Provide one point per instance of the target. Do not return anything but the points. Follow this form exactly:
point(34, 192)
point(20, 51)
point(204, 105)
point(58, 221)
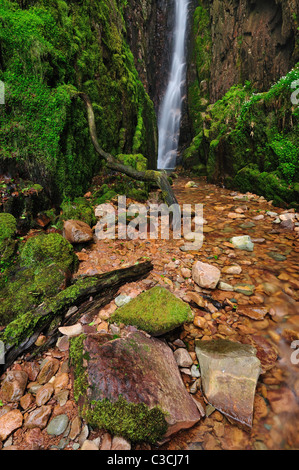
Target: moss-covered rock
point(48, 249)
point(49, 51)
point(130, 386)
point(155, 311)
point(249, 141)
point(40, 272)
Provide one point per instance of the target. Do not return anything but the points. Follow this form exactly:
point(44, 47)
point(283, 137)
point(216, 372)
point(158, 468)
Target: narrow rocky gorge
point(123, 328)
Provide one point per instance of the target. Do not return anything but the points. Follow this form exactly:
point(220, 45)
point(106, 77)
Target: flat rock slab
point(141, 369)
point(229, 373)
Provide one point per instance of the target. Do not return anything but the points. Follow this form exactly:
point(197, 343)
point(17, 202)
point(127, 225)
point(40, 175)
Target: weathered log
point(159, 178)
point(102, 288)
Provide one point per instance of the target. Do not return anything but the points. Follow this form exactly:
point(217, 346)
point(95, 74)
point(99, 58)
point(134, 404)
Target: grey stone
point(57, 425)
point(229, 374)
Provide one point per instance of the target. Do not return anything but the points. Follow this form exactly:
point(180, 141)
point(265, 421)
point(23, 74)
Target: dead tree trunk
point(150, 176)
point(102, 288)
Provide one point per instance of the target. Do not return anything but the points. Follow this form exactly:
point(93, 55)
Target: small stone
point(63, 343)
point(122, 299)
point(186, 273)
point(242, 243)
point(44, 394)
point(34, 439)
point(49, 368)
point(255, 312)
point(57, 425)
point(119, 443)
point(26, 401)
point(38, 418)
point(195, 371)
point(61, 381)
point(190, 184)
point(40, 340)
point(200, 322)
point(84, 434)
point(234, 269)
point(277, 256)
point(76, 231)
point(205, 275)
point(245, 289)
point(225, 286)
point(75, 428)
point(89, 445)
point(183, 358)
point(106, 442)
point(70, 331)
point(179, 343)
point(9, 422)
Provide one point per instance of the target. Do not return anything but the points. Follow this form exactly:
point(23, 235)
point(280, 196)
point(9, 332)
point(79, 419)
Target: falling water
point(170, 115)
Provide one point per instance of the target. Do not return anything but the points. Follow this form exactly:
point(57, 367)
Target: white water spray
point(171, 110)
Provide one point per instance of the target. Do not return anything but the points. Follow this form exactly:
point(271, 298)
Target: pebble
point(122, 299)
point(57, 425)
point(242, 243)
point(9, 422)
point(182, 357)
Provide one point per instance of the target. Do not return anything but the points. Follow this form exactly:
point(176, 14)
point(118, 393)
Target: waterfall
point(170, 116)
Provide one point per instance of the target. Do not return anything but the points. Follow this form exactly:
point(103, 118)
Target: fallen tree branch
point(102, 288)
point(150, 176)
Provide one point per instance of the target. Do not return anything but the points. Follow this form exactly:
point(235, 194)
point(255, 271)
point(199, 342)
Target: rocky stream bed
point(248, 297)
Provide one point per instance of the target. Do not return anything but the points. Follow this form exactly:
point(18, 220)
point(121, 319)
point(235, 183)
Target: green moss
point(137, 161)
point(155, 311)
point(8, 226)
point(135, 422)
point(76, 361)
point(50, 49)
point(48, 249)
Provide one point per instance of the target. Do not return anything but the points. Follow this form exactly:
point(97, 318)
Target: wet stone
point(229, 374)
point(57, 425)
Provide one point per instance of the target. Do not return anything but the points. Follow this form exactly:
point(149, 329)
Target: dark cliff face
point(251, 40)
point(241, 74)
point(149, 34)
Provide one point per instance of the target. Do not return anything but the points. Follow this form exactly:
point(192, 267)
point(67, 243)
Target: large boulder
point(229, 373)
point(130, 386)
point(155, 311)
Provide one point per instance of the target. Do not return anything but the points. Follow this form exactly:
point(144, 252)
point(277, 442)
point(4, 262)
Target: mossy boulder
point(155, 311)
point(49, 249)
point(130, 386)
point(79, 209)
